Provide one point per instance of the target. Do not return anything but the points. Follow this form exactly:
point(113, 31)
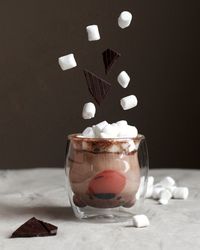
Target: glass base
point(108, 215)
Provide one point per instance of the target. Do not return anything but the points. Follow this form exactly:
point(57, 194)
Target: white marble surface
point(42, 193)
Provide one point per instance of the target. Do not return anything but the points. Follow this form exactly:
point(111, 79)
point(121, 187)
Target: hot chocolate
point(103, 172)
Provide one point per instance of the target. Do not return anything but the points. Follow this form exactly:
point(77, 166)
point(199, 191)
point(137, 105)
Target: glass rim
point(78, 137)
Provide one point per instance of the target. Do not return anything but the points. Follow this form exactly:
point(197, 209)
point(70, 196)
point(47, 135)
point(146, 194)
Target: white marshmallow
point(131, 146)
point(124, 19)
point(103, 135)
point(163, 201)
point(129, 102)
point(116, 127)
point(171, 189)
point(150, 181)
point(165, 196)
point(89, 110)
point(111, 130)
point(88, 132)
point(140, 221)
point(113, 149)
point(140, 189)
point(128, 146)
point(84, 145)
point(156, 192)
point(128, 132)
point(93, 32)
point(122, 123)
point(123, 79)
point(181, 193)
point(67, 62)
point(149, 191)
point(167, 182)
point(99, 127)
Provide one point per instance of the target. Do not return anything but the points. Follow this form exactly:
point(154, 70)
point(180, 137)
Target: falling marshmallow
point(123, 79)
point(129, 102)
point(181, 193)
point(124, 19)
point(93, 33)
point(140, 220)
point(89, 110)
point(165, 196)
point(67, 62)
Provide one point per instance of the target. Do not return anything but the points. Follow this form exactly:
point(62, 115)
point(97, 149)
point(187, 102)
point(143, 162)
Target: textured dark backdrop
point(40, 104)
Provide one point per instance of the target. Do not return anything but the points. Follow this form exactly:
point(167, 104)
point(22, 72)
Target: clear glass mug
point(104, 176)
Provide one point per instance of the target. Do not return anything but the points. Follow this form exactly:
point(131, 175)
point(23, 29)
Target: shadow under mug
point(104, 175)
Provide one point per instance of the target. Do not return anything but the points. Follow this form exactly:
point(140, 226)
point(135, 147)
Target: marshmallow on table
point(140, 220)
point(123, 79)
point(129, 102)
point(88, 132)
point(93, 32)
point(181, 193)
point(89, 110)
point(124, 19)
point(167, 182)
point(67, 62)
point(150, 181)
point(165, 196)
point(171, 189)
point(140, 189)
point(149, 191)
point(156, 192)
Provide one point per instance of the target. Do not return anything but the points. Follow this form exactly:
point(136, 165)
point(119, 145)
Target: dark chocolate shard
point(98, 87)
point(35, 228)
point(109, 58)
point(49, 227)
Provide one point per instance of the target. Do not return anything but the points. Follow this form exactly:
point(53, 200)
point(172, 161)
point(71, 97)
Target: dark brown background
point(40, 104)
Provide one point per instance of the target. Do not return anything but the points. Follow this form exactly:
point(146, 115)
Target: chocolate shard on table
point(109, 58)
point(97, 87)
point(35, 228)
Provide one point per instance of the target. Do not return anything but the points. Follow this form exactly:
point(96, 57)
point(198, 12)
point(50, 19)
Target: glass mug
point(104, 175)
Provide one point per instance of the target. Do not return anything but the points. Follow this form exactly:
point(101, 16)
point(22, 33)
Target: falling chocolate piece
point(109, 58)
point(98, 87)
point(35, 228)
